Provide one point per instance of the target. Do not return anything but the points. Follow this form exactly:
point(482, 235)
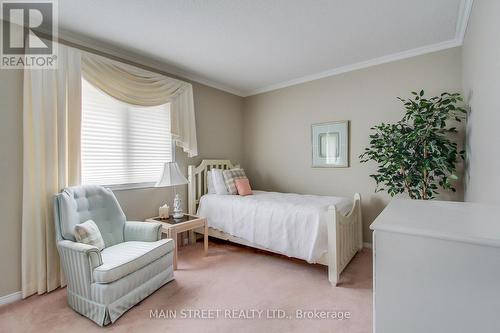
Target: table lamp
point(172, 176)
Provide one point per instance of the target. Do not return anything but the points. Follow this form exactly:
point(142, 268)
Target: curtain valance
point(138, 86)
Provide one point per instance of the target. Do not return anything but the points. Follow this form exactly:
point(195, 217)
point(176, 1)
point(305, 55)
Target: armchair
point(102, 285)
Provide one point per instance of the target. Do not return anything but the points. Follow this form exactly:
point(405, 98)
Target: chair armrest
point(142, 231)
point(84, 250)
point(78, 261)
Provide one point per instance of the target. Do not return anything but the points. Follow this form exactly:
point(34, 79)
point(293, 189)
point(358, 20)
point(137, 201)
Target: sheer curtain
point(51, 135)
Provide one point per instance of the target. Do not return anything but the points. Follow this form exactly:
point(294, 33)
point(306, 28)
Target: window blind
point(122, 143)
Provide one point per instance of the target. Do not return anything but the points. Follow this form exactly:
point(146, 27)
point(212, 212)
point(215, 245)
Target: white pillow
point(210, 183)
point(88, 233)
point(218, 182)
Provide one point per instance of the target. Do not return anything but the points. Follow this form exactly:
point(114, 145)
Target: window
point(122, 144)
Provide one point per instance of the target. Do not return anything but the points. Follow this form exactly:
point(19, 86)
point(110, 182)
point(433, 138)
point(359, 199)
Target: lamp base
point(178, 216)
point(177, 213)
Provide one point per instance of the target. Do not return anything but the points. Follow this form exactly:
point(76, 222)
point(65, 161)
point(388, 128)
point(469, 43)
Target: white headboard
point(197, 176)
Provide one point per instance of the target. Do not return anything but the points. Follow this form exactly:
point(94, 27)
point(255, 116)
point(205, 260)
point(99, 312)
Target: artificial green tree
point(417, 155)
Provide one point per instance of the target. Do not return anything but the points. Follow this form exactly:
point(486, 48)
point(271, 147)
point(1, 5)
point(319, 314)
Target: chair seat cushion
point(124, 258)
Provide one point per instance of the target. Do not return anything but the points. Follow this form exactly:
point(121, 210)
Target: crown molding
point(129, 55)
point(359, 65)
point(90, 44)
point(460, 30)
point(463, 19)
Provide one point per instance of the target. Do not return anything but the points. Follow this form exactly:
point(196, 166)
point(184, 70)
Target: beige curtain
point(137, 86)
point(51, 134)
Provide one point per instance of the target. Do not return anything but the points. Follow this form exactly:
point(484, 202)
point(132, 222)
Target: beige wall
point(219, 122)
point(481, 71)
point(277, 125)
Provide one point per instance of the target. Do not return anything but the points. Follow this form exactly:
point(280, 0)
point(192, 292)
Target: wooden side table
point(172, 227)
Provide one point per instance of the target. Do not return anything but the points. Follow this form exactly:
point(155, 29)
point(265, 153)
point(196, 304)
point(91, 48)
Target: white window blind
point(122, 144)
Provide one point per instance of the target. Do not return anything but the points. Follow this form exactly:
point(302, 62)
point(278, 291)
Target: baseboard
point(11, 298)
point(367, 245)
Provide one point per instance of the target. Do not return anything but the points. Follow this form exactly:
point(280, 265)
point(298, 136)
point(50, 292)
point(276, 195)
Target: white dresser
point(436, 268)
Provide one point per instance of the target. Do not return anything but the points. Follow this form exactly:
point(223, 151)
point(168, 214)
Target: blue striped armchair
point(103, 285)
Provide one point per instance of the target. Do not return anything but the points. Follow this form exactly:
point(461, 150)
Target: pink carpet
point(232, 279)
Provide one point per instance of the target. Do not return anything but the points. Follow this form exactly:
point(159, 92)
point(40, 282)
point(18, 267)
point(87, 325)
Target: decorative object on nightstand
point(172, 176)
point(164, 211)
point(173, 226)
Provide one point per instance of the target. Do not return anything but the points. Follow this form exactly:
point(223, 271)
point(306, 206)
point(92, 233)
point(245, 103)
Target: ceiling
point(252, 46)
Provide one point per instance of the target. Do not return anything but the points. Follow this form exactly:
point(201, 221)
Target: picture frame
point(330, 144)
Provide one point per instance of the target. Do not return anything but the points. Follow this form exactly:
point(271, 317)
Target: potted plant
point(416, 155)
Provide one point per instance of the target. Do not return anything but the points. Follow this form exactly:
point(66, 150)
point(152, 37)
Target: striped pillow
point(230, 176)
point(88, 233)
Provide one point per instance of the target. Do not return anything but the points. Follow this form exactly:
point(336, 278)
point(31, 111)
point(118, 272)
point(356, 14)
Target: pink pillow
point(243, 186)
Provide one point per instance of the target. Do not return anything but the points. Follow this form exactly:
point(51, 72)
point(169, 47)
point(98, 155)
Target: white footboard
point(345, 238)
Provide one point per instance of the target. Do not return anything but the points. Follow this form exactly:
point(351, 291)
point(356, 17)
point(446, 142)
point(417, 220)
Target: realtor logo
point(29, 29)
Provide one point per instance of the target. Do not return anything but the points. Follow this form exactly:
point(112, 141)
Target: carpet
point(233, 289)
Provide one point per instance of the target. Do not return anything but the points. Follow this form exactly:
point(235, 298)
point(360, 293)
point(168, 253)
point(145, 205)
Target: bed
point(318, 229)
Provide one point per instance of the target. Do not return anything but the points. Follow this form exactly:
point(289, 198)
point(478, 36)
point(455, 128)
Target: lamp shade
point(171, 175)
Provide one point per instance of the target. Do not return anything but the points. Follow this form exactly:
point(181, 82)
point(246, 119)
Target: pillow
point(210, 183)
point(218, 182)
point(88, 233)
point(243, 186)
point(230, 176)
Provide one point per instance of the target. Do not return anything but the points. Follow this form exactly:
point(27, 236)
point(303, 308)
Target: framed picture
point(330, 144)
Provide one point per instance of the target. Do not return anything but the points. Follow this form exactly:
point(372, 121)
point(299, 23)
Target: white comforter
point(288, 223)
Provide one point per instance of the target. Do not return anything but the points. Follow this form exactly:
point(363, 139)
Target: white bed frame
point(345, 232)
